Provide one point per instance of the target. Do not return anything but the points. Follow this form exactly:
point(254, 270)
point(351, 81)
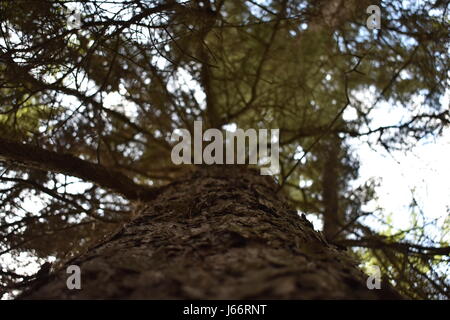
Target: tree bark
point(220, 233)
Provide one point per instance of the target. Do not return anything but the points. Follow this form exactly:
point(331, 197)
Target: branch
point(41, 159)
point(404, 247)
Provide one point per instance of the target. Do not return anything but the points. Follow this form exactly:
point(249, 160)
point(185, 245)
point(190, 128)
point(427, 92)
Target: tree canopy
point(91, 91)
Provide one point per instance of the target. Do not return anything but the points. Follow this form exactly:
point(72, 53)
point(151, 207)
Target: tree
point(87, 112)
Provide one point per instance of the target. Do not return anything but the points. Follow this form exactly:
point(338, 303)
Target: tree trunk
point(221, 233)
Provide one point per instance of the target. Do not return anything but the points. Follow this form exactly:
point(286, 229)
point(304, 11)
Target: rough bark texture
point(221, 233)
point(41, 159)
